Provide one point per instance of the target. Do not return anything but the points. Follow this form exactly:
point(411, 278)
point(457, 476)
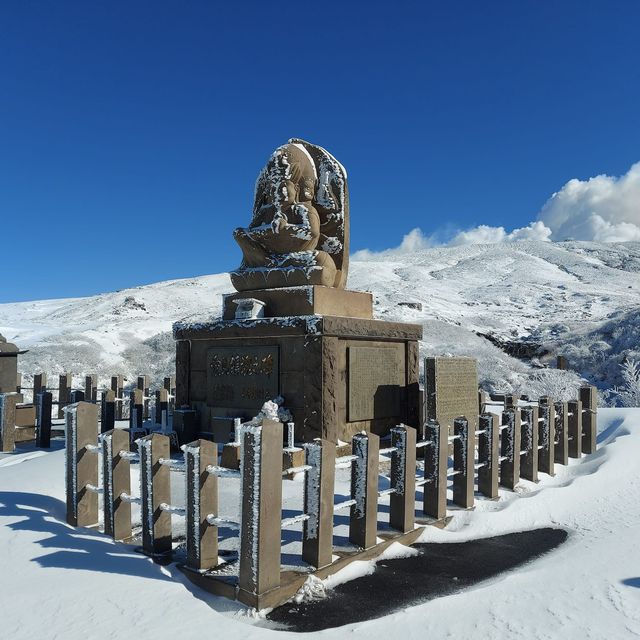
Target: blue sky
point(131, 133)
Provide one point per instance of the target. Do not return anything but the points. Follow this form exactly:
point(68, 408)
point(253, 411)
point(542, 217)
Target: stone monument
point(451, 390)
point(292, 332)
point(8, 366)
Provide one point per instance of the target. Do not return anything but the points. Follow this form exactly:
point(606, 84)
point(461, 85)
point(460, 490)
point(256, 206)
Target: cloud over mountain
point(600, 209)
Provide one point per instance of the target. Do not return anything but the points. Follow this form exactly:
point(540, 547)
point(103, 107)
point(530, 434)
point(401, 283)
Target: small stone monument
point(8, 366)
point(292, 329)
point(451, 390)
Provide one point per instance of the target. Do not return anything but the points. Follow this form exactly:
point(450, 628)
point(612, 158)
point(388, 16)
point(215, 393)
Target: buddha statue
point(299, 231)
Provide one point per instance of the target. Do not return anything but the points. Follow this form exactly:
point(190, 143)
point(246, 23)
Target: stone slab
point(303, 301)
point(451, 389)
point(376, 375)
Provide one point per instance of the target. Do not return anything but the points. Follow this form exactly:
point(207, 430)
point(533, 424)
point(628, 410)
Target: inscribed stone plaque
point(376, 375)
point(242, 377)
point(451, 389)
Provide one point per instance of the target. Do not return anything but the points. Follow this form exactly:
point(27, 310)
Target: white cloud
point(603, 209)
point(600, 209)
point(485, 234)
point(415, 240)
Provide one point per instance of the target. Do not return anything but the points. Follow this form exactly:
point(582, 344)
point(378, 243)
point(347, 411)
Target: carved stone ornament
point(299, 234)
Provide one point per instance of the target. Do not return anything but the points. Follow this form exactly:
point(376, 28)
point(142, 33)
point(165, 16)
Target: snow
point(578, 299)
point(76, 583)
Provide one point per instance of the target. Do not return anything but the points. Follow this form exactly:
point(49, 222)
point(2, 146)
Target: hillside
point(532, 300)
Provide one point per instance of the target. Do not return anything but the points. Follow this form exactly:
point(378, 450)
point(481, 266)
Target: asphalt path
point(438, 570)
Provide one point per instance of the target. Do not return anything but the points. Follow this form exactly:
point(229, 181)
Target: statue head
point(288, 177)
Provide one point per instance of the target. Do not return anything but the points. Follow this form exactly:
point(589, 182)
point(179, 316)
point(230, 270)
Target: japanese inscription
point(451, 386)
point(376, 376)
point(242, 377)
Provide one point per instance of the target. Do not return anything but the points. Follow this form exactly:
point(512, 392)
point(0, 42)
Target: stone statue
point(299, 234)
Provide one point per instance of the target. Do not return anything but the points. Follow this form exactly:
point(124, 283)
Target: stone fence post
point(117, 386)
point(435, 471)
point(510, 448)
point(403, 479)
point(116, 479)
point(91, 388)
point(39, 385)
point(8, 402)
point(317, 538)
point(561, 453)
point(65, 382)
point(463, 463)
point(155, 489)
point(574, 428)
point(81, 464)
point(135, 410)
point(261, 510)
point(202, 502)
point(546, 435)
point(488, 455)
point(589, 399)
point(43, 419)
point(363, 529)
point(108, 411)
point(529, 443)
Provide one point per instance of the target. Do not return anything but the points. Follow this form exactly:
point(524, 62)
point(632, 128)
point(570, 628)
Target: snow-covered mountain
point(514, 306)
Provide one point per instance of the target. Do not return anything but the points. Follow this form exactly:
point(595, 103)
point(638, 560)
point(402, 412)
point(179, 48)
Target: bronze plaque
point(376, 375)
point(451, 386)
point(242, 377)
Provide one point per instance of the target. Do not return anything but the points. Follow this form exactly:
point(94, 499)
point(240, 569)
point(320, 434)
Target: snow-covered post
point(574, 428)
point(202, 502)
point(561, 454)
point(317, 538)
point(483, 399)
point(91, 388)
point(39, 385)
point(261, 509)
point(8, 403)
point(107, 411)
point(143, 386)
point(510, 448)
point(511, 401)
point(162, 407)
point(464, 446)
point(116, 480)
point(529, 444)
point(117, 384)
point(135, 409)
point(402, 502)
point(546, 435)
point(488, 455)
point(435, 471)
point(81, 464)
point(43, 419)
point(363, 528)
point(155, 481)
point(65, 382)
point(589, 399)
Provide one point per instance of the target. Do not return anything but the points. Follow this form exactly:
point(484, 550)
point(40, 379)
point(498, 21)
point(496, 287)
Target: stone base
point(263, 278)
point(305, 301)
point(338, 375)
point(230, 458)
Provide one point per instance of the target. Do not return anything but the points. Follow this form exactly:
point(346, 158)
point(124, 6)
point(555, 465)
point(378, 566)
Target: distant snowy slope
point(530, 299)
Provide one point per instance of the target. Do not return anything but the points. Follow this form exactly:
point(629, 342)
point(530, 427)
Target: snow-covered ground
point(60, 582)
point(579, 299)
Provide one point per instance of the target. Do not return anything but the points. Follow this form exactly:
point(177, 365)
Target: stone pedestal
point(338, 375)
point(304, 301)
